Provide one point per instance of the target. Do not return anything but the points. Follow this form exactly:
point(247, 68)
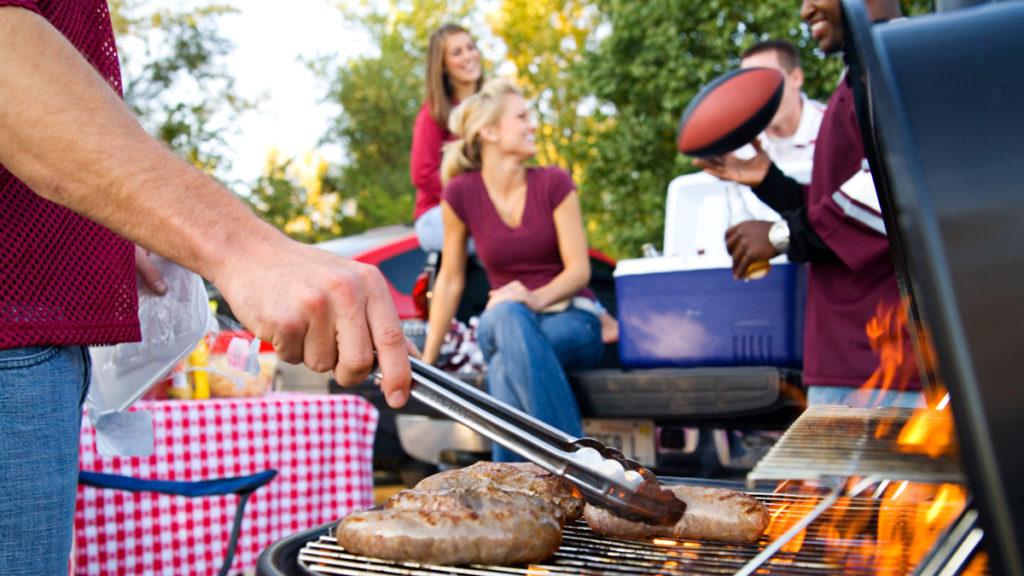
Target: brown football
point(730, 111)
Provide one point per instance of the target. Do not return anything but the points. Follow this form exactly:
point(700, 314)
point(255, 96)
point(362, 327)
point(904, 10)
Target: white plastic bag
point(171, 325)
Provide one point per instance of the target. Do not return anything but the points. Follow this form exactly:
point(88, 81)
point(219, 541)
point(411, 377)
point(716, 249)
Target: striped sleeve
point(858, 199)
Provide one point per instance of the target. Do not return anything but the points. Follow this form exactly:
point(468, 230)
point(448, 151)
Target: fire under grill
point(853, 536)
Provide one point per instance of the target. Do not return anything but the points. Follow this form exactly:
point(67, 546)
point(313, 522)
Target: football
point(730, 111)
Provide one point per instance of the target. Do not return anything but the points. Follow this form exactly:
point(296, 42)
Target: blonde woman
point(453, 74)
point(540, 318)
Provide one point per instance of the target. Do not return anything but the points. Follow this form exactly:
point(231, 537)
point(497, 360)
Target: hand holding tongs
point(597, 476)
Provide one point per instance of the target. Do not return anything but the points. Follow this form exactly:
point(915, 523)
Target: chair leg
point(236, 529)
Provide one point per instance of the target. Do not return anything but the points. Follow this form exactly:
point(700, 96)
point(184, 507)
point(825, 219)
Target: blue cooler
point(673, 316)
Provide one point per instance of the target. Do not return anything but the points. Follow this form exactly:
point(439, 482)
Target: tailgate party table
point(321, 446)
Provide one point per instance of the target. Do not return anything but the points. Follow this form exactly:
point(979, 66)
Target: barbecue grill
point(940, 102)
point(582, 552)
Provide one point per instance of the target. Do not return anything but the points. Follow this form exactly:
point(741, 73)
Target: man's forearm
point(779, 191)
point(69, 137)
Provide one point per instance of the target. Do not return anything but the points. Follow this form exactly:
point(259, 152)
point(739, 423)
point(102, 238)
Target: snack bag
point(240, 365)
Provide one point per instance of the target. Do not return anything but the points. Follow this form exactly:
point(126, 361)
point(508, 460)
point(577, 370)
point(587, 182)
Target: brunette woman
point(453, 74)
point(526, 222)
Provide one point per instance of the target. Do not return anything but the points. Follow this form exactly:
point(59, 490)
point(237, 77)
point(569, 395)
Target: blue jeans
point(864, 398)
point(41, 395)
point(526, 353)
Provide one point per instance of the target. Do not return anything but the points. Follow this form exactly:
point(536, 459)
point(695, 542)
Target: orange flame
point(930, 431)
point(885, 332)
point(888, 534)
point(782, 520)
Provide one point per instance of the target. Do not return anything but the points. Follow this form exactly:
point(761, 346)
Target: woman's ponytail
point(467, 120)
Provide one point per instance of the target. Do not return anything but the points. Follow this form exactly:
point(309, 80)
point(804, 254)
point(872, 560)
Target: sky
point(271, 39)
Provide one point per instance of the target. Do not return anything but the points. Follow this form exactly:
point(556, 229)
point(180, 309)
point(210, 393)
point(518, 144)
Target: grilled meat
point(711, 514)
point(455, 527)
point(417, 499)
point(511, 477)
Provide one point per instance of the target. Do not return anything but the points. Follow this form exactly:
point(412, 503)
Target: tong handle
point(538, 428)
point(549, 455)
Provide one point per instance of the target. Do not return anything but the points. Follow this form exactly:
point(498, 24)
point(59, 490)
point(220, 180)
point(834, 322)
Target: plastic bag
point(171, 326)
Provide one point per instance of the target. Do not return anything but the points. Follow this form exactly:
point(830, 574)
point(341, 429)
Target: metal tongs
point(550, 448)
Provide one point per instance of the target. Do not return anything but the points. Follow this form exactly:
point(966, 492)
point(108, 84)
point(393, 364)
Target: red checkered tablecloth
point(321, 446)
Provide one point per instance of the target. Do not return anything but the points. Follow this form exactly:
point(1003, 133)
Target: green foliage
point(175, 79)
point(293, 196)
point(545, 40)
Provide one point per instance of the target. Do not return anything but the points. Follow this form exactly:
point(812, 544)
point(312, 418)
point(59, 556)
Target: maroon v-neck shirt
point(528, 253)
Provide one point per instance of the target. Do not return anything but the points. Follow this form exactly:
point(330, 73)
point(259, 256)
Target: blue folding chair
point(243, 486)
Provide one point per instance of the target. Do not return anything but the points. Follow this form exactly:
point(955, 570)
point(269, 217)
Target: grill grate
point(822, 549)
point(845, 442)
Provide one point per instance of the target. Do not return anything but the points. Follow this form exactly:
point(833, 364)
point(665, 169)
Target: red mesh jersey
point(63, 279)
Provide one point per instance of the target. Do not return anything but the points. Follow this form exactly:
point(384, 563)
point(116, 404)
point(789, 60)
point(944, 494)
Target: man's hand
point(747, 242)
point(514, 291)
point(325, 311)
point(146, 270)
point(730, 167)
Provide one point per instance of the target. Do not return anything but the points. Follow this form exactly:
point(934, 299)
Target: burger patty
point(522, 477)
point(711, 514)
point(483, 526)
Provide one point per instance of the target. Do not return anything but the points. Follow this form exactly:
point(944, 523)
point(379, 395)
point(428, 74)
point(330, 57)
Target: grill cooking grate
point(822, 550)
point(845, 442)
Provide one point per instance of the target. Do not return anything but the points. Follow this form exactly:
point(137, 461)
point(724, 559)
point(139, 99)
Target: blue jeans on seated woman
point(527, 353)
point(41, 395)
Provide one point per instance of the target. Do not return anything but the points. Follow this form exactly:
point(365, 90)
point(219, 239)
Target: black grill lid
point(946, 101)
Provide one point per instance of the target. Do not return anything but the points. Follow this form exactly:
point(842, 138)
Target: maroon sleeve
point(26, 4)
point(856, 244)
point(559, 185)
point(425, 159)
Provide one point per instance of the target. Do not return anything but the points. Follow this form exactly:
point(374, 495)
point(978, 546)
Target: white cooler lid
point(660, 264)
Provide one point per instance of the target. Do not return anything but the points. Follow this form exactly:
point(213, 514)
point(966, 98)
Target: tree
point(545, 40)
point(174, 77)
point(292, 196)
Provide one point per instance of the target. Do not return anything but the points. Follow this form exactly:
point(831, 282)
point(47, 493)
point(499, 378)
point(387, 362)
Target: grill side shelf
point(838, 441)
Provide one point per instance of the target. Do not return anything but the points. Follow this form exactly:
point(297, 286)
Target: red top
point(428, 138)
point(63, 279)
point(843, 295)
point(528, 253)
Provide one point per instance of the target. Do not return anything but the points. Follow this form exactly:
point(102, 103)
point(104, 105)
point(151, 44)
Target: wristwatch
point(778, 236)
